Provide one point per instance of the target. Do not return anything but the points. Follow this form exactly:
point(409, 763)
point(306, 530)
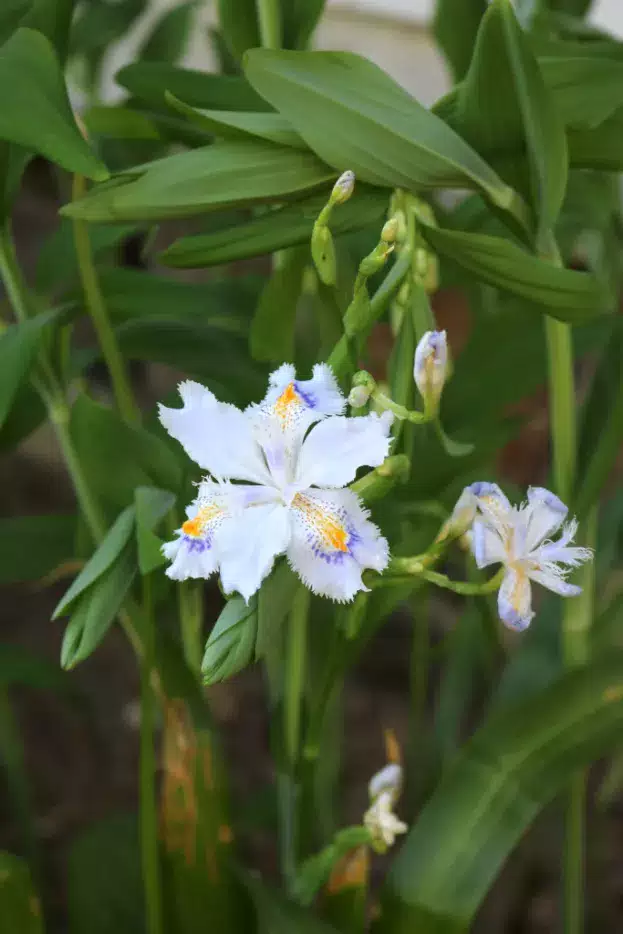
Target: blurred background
point(79, 747)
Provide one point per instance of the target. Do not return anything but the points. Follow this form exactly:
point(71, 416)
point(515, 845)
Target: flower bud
point(430, 367)
point(343, 188)
point(358, 396)
point(390, 230)
point(323, 253)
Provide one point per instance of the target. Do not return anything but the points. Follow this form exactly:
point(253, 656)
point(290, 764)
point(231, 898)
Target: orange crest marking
point(330, 529)
point(196, 527)
point(287, 401)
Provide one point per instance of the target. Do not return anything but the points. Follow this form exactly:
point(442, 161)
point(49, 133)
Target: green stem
point(148, 800)
point(59, 414)
point(190, 602)
point(562, 405)
point(12, 758)
point(294, 686)
point(564, 446)
point(295, 673)
point(578, 616)
point(419, 672)
point(96, 307)
point(12, 274)
point(269, 21)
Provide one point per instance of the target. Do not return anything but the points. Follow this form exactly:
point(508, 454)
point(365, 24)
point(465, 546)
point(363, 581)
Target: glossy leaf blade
point(503, 109)
point(456, 26)
point(21, 909)
point(206, 179)
point(504, 776)
point(18, 346)
point(33, 546)
point(235, 124)
point(106, 554)
point(37, 113)
point(336, 99)
point(149, 81)
point(563, 293)
point(283, 227)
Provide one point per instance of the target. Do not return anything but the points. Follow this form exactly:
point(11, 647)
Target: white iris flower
point(520, 539)
point(380, 820)
point(290, 456)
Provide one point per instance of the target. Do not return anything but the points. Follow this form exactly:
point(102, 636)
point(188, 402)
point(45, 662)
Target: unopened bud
point(323, 253)
point(390, 230)
point(358, 396)
point(430, 367)
point(420, 261)
point(343, 188)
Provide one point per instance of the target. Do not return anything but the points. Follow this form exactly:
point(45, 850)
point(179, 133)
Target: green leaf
point(11, 15)
point(600, 148)
point(300, 18)
point(21, 909)
point(206, 353)
point(237, 124)
point(287, 226)
point(276, 915)
point(19, 666)
point(602, 426)
point(37, 114)
point(18, 346)
point(104, 557)
point(456, 26)
point(33, 546)
point(586, 90)
point(134, 295)
point(151, 505)
point(206, 179)
point(150, 81)
point(27, 413)
point(13, 161)
point(336, 99)
point(120, 123)
point(56, 262)
point(272, 331)
point(231, 644)
point(141, 458)
point(52, 18)
point(239, 24)
point(506, 774)
point(169, 37)
point(503, 109)
point(315, 871)
point(94, 610)
point(563, 293)
point(109, 902)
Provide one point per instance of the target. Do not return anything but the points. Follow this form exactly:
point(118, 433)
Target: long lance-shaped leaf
point(506, 774)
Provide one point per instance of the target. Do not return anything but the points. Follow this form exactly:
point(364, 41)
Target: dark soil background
point(82, 762)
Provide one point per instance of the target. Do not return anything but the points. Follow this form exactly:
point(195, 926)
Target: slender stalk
point(562, 405)
point(94, 300)
point(564, 447)
point(58, 411)
point(148, 794)
point(295, 673)
point(578, 616)
point(12, 758)
point(190, 603)
point(269, 20)
point(419, 666)
point(12, 274)
point(294, 686)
